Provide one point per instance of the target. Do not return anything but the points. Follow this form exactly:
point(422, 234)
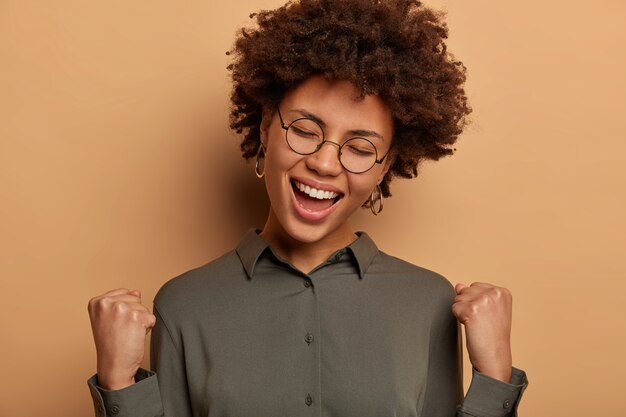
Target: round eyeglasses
point(305, 136)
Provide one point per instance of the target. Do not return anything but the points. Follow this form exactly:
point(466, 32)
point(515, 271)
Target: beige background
point(117, 169)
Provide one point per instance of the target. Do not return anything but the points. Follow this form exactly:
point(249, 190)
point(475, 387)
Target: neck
point(305, 255)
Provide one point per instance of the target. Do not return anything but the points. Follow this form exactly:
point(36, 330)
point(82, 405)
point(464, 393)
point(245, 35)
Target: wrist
point(498, 369)
point(114, 381)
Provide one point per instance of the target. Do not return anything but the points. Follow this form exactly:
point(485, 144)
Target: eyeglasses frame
point(324, 140)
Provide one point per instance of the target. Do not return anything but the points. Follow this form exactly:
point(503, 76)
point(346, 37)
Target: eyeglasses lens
point(305, 136)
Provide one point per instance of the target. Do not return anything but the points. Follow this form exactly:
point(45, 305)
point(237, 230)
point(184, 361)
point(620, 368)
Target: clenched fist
point(486, 312)
point(120, 324)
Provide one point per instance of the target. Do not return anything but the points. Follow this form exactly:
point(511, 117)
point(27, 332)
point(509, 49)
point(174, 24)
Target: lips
point(314, 202)
point(312, 192)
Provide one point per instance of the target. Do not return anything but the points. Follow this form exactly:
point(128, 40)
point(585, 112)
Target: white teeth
point(315, 193)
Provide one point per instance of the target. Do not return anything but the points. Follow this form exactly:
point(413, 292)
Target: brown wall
point(117, 170)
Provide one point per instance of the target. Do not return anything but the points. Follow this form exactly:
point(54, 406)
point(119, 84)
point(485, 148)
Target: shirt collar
point(364, 250)
point(250, 249)
point(252, 246)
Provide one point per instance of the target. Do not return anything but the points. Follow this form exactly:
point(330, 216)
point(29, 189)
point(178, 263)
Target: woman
point(307, 317)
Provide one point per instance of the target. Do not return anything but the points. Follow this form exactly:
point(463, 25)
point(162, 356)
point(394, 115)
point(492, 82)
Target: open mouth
point(314, 200)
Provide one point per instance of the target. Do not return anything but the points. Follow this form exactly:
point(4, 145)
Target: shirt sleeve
point(490, 397)
point(142, 399)
point(165, 395)
point(486, 396)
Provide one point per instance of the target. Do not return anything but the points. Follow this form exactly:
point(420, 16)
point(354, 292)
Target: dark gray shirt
point(364, 334)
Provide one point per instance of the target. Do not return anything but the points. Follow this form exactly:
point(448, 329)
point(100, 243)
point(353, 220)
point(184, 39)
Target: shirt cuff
point(142, 399)
point(489, 397)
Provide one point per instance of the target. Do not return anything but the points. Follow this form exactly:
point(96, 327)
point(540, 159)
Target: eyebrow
point(355, 132)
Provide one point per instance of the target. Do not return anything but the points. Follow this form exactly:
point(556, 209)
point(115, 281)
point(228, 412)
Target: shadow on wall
point(248, 197)
point(231, 198)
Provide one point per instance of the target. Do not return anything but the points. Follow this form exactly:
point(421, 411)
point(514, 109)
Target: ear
point(266, 121)
point(386, 165)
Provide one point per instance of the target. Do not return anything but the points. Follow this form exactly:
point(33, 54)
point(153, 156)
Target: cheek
point(361, 188)
point(278, 161)
point(277, 166)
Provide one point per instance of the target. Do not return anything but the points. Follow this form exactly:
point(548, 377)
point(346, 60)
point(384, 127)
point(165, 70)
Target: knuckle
point(474, 309)
point(500, 294)
point(481, 300)
point(490, 296)
point(91, 304)
point(97, 305)
point(104, 302)
point(138, 315)
point(119, 307)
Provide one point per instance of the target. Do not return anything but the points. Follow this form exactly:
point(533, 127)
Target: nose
point(326, 160)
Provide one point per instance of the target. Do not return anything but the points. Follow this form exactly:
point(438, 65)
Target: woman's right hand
point(120, 324)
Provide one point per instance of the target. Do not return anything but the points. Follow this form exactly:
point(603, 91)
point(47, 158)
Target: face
point(302, 217)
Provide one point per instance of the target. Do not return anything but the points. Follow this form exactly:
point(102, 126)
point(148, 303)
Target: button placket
point(309, 348)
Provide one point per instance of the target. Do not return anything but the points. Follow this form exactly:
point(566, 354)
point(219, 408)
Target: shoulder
point(192, 286)
point(431, 291)
point(414, 276)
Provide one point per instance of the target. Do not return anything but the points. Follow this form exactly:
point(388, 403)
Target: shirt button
point(308, 338)
point(506, 404)
point(307, 283)
point(115, 409)
point(308, 400)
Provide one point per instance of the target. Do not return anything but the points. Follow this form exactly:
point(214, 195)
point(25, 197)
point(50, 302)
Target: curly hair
point(391, 48)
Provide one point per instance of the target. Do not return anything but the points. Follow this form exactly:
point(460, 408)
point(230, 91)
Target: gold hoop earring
point(256, 165)
point(379, 196)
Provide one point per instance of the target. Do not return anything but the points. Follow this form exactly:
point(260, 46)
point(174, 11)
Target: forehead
point(339, 104)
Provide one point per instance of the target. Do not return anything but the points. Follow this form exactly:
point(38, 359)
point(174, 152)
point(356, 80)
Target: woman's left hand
point(486, 311)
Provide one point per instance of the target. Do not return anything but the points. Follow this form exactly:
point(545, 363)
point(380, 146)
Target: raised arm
point(487, 395)
point(486, 312)
point(120, 324)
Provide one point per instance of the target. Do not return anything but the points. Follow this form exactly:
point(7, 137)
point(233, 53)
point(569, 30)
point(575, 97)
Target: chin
point(307, 233)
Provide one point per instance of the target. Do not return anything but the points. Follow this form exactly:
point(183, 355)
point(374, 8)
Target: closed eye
point(303, 133)
point(359, 150)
